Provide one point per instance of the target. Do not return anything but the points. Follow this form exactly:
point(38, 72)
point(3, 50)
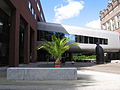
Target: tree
point(57, 47)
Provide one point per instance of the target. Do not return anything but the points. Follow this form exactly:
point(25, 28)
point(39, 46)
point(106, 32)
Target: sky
point(83, 13)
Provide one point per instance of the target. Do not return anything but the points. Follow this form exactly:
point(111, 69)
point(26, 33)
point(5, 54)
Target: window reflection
point(32, 9)
point(1, 27)
point(45, 35)
point(71, 37)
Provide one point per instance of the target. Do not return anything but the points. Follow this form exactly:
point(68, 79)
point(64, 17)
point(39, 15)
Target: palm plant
point(57, 47)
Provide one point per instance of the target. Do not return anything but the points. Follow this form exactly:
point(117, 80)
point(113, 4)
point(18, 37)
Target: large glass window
point(4, 38)
point(42, 17)
point(21, 39)
point(113, 24)
point(91, 40)
point(38, 6)
point(32, 9)
point(45, 35)
point(71, 37)
point(30, 5)
point(81, 39)
point(35, 15)
point(118, 18)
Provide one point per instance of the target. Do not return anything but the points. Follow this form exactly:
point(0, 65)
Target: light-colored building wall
point(110, 17)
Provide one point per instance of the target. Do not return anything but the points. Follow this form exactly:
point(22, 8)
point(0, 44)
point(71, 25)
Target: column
point(34, 55)
point(27, 45)
point(33, 36)
point(14, 39)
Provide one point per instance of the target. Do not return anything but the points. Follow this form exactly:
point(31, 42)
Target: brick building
point(110, 20)
point(18, 31)
point(110, 16)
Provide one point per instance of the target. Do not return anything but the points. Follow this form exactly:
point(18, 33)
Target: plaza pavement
point(109, 68)
point(91, 77)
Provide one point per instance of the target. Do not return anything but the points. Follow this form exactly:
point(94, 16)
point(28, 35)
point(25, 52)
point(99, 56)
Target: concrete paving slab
point(87, 80)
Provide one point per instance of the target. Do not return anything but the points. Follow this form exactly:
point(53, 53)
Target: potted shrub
point(56, 47)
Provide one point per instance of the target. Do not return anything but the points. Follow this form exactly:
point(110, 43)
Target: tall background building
point(110, 16)
point(18, 31)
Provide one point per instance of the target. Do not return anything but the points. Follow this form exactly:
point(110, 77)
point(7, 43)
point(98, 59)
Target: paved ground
point(89, 78)
point(109, 68)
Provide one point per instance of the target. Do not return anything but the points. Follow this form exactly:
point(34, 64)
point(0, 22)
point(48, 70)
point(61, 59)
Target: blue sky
point(84, 13)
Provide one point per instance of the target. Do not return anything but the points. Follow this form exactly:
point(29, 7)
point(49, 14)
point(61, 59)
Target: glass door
point(4, 39)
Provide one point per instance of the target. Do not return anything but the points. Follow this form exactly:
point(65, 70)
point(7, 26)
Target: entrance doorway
point(4, 38)
point(21, 40)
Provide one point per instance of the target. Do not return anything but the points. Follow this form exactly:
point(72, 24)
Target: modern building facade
point(18, 31)
point(110, 16)
point(86, 37)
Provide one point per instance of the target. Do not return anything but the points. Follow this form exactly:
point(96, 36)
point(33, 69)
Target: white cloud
point(94, 24)
point(70, 10)
point(109, 1)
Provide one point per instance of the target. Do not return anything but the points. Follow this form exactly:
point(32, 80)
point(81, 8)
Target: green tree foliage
point(57, 47)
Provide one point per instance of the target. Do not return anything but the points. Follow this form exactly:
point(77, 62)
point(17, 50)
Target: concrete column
point(27, 45)
point(14, 39)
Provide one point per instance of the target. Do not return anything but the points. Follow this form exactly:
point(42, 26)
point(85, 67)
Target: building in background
point(110, 20)
point(18, 31)
point(110, 16)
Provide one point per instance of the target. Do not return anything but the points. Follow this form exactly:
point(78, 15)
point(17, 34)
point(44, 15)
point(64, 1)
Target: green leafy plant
point(57, 47)
point(83, 57)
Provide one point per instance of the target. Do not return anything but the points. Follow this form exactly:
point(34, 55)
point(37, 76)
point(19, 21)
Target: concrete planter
point(41, 73)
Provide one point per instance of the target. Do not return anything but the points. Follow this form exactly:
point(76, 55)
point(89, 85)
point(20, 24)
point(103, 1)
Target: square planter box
point(42, 74)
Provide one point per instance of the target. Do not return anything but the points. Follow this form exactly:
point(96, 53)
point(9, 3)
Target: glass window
point(42, 16)
point(40, 35)
point(76, 38)
point(45, 35)
point(59, 35)
point(95, 40)
point(109, 26)
point(104, 26)
point(4, 38)
point(35, 15)
point(30, 5)
point(71, 37)
point(113, 24)
point(91, 40)
point(118, 17)
point(81, 39)
point(86, 39)
point(105, 41)
point(1, 27)
point(21, 39)
point(100, 41)
point(38, 6)
point(33, 11)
